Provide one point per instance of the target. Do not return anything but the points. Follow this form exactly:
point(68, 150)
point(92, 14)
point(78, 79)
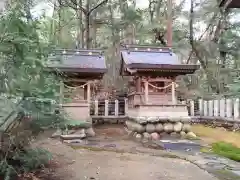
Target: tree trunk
point(87, 25)
point(52, 34)
point(59, 26)
point(94, 31)
point(88, 40)
point(213, 83)
point(151, 10)
point(80, 36)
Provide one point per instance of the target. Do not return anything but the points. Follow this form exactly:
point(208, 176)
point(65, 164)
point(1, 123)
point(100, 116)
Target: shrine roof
point(141, 58)
point(78, 61)
point(230, 4)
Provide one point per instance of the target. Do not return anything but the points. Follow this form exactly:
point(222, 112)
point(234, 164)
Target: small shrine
point(226, 4)
point(80, 70)
point(151, 98)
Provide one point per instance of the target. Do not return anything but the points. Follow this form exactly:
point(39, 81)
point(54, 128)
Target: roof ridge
point(90, 52)
point(127, 46)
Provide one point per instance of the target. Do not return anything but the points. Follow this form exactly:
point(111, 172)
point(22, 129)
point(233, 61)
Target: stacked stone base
point(154, 127)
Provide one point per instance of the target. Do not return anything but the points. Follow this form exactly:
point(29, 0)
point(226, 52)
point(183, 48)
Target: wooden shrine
point(152, 72)
point(230, 4)
point(79, 69)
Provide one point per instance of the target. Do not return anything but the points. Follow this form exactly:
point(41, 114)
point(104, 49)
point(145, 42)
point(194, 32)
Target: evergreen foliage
point(23, 75)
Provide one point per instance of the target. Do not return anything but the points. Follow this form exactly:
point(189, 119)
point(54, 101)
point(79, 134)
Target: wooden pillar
point(126, 106)
point(138, 84)
point(192, 109)
point(200, 104)
point(210, 108)
point(173, 93)
point(222, 108)
point(216, 108)
point(146, 91)
point(205, 108)
point(236, 108)
point(88, 92)
point(229, 106)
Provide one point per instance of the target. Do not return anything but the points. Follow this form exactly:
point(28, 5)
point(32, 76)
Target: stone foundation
point(154, 127)
point(161, 111)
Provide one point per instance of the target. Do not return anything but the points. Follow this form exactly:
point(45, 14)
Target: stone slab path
point(210, 162)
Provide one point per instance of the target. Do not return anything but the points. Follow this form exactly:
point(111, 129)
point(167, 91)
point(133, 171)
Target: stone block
point(168, 127)
point(72, 136)
point(155, 136)
point(146, 136)
point(150, 128)
point(191, 135)
point(186, 127)
point(163, 119)
point(177, 127)
point(153, 119)
point(159, 127)
point(90, 132)
point(186, 119)
point(138, 137)
point(183, 134)
point(174, 119)
point(140, 128)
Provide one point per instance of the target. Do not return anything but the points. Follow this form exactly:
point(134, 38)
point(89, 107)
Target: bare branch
point(202, 35)
point(98, 5)
point(73, 4)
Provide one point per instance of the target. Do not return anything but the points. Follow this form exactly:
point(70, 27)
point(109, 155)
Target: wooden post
point(138, 88)
point(106, 108)
point(88, 92)
point(200, 103)
point(216, 108)
point(222, 108)
point(126, 106)
point(229, 108)
point(173, 93)
point(236, 108)
point(146, 91)
point(192, 108)
point(205, 108)
point(210, 108)
point(116, 107)
point(96, 107)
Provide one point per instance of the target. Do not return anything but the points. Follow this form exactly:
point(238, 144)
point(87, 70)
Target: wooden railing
point(108, 108)
point(227, 109)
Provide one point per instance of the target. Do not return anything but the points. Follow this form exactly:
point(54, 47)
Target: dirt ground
point(84, 164)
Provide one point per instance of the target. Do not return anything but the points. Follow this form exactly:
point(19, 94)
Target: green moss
point(206, 150)
point(227, 150)
point(225, 175)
